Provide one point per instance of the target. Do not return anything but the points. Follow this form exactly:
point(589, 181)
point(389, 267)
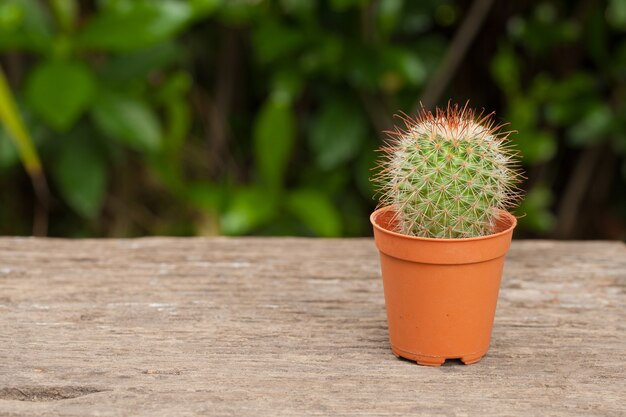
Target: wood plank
point(266, 327)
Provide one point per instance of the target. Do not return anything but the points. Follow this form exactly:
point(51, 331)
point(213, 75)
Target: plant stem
point(13, 123)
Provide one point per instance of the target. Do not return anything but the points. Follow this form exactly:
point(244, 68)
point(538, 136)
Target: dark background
point(260, 117)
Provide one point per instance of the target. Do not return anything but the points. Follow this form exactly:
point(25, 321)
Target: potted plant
point(442, 229)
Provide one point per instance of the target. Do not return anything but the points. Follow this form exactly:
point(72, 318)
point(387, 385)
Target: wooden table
point(273, 327)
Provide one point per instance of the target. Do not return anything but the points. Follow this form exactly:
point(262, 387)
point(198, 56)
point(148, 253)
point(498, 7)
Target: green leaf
point(342, 5)
point(203, 8)
point(410, 66)
point(137, 65)
point(273, 41)
point(167, 163)
point(593, 127)
point(60, 91)
point(337, 133)
point(286, 86)
point(141, 24)
point(362, 66)
point(389, 12)
point(571, 98)
point(541, 89)
point(446, 14)
point(505, 69)
point(316, 211)
point(274, 135)
point(11, 16)
point(174, 87)
point(534, 213)
point(328, 182)
point(542, 32)
point(535, 146)
point(401, 67)
point(301, 8)
point(80, 174)
point(326, 55)
point(523, 114)
point(129, 120)
point(249, 208)
point(24, 25)
point(8, 152)
point(616, 14)
point(65, 12)
point(204, 196)
point(239, 13)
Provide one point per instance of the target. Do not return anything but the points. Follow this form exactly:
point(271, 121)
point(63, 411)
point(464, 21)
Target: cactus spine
point(448, 174)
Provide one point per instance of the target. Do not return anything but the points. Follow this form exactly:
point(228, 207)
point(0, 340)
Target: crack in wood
point(40, 394)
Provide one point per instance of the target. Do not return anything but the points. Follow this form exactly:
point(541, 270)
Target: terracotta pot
point(440, 294)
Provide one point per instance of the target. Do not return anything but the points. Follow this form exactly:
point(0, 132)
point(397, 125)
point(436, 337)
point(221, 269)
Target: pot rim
point(379, 211)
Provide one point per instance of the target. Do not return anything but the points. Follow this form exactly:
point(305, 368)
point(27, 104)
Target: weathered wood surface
point(272, 327)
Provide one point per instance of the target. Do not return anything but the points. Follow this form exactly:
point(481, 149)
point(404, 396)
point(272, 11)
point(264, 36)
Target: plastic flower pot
point(440, 294)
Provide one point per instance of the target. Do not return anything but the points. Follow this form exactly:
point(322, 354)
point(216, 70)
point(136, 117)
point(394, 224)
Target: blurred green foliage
point(261, 117)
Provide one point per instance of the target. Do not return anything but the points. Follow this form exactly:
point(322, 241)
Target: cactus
point(449, 174)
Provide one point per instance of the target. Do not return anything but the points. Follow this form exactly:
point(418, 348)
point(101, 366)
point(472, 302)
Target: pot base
point(435, 360)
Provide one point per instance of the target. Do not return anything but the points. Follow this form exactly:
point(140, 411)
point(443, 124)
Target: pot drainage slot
point(453, 362)
point(39, 394)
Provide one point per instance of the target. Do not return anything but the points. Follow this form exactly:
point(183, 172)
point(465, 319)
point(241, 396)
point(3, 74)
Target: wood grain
point(268, 327)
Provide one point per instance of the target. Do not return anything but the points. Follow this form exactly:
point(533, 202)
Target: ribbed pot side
point(440, 294)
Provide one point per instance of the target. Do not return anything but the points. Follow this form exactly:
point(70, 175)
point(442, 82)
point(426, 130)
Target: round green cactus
point(448, 174)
